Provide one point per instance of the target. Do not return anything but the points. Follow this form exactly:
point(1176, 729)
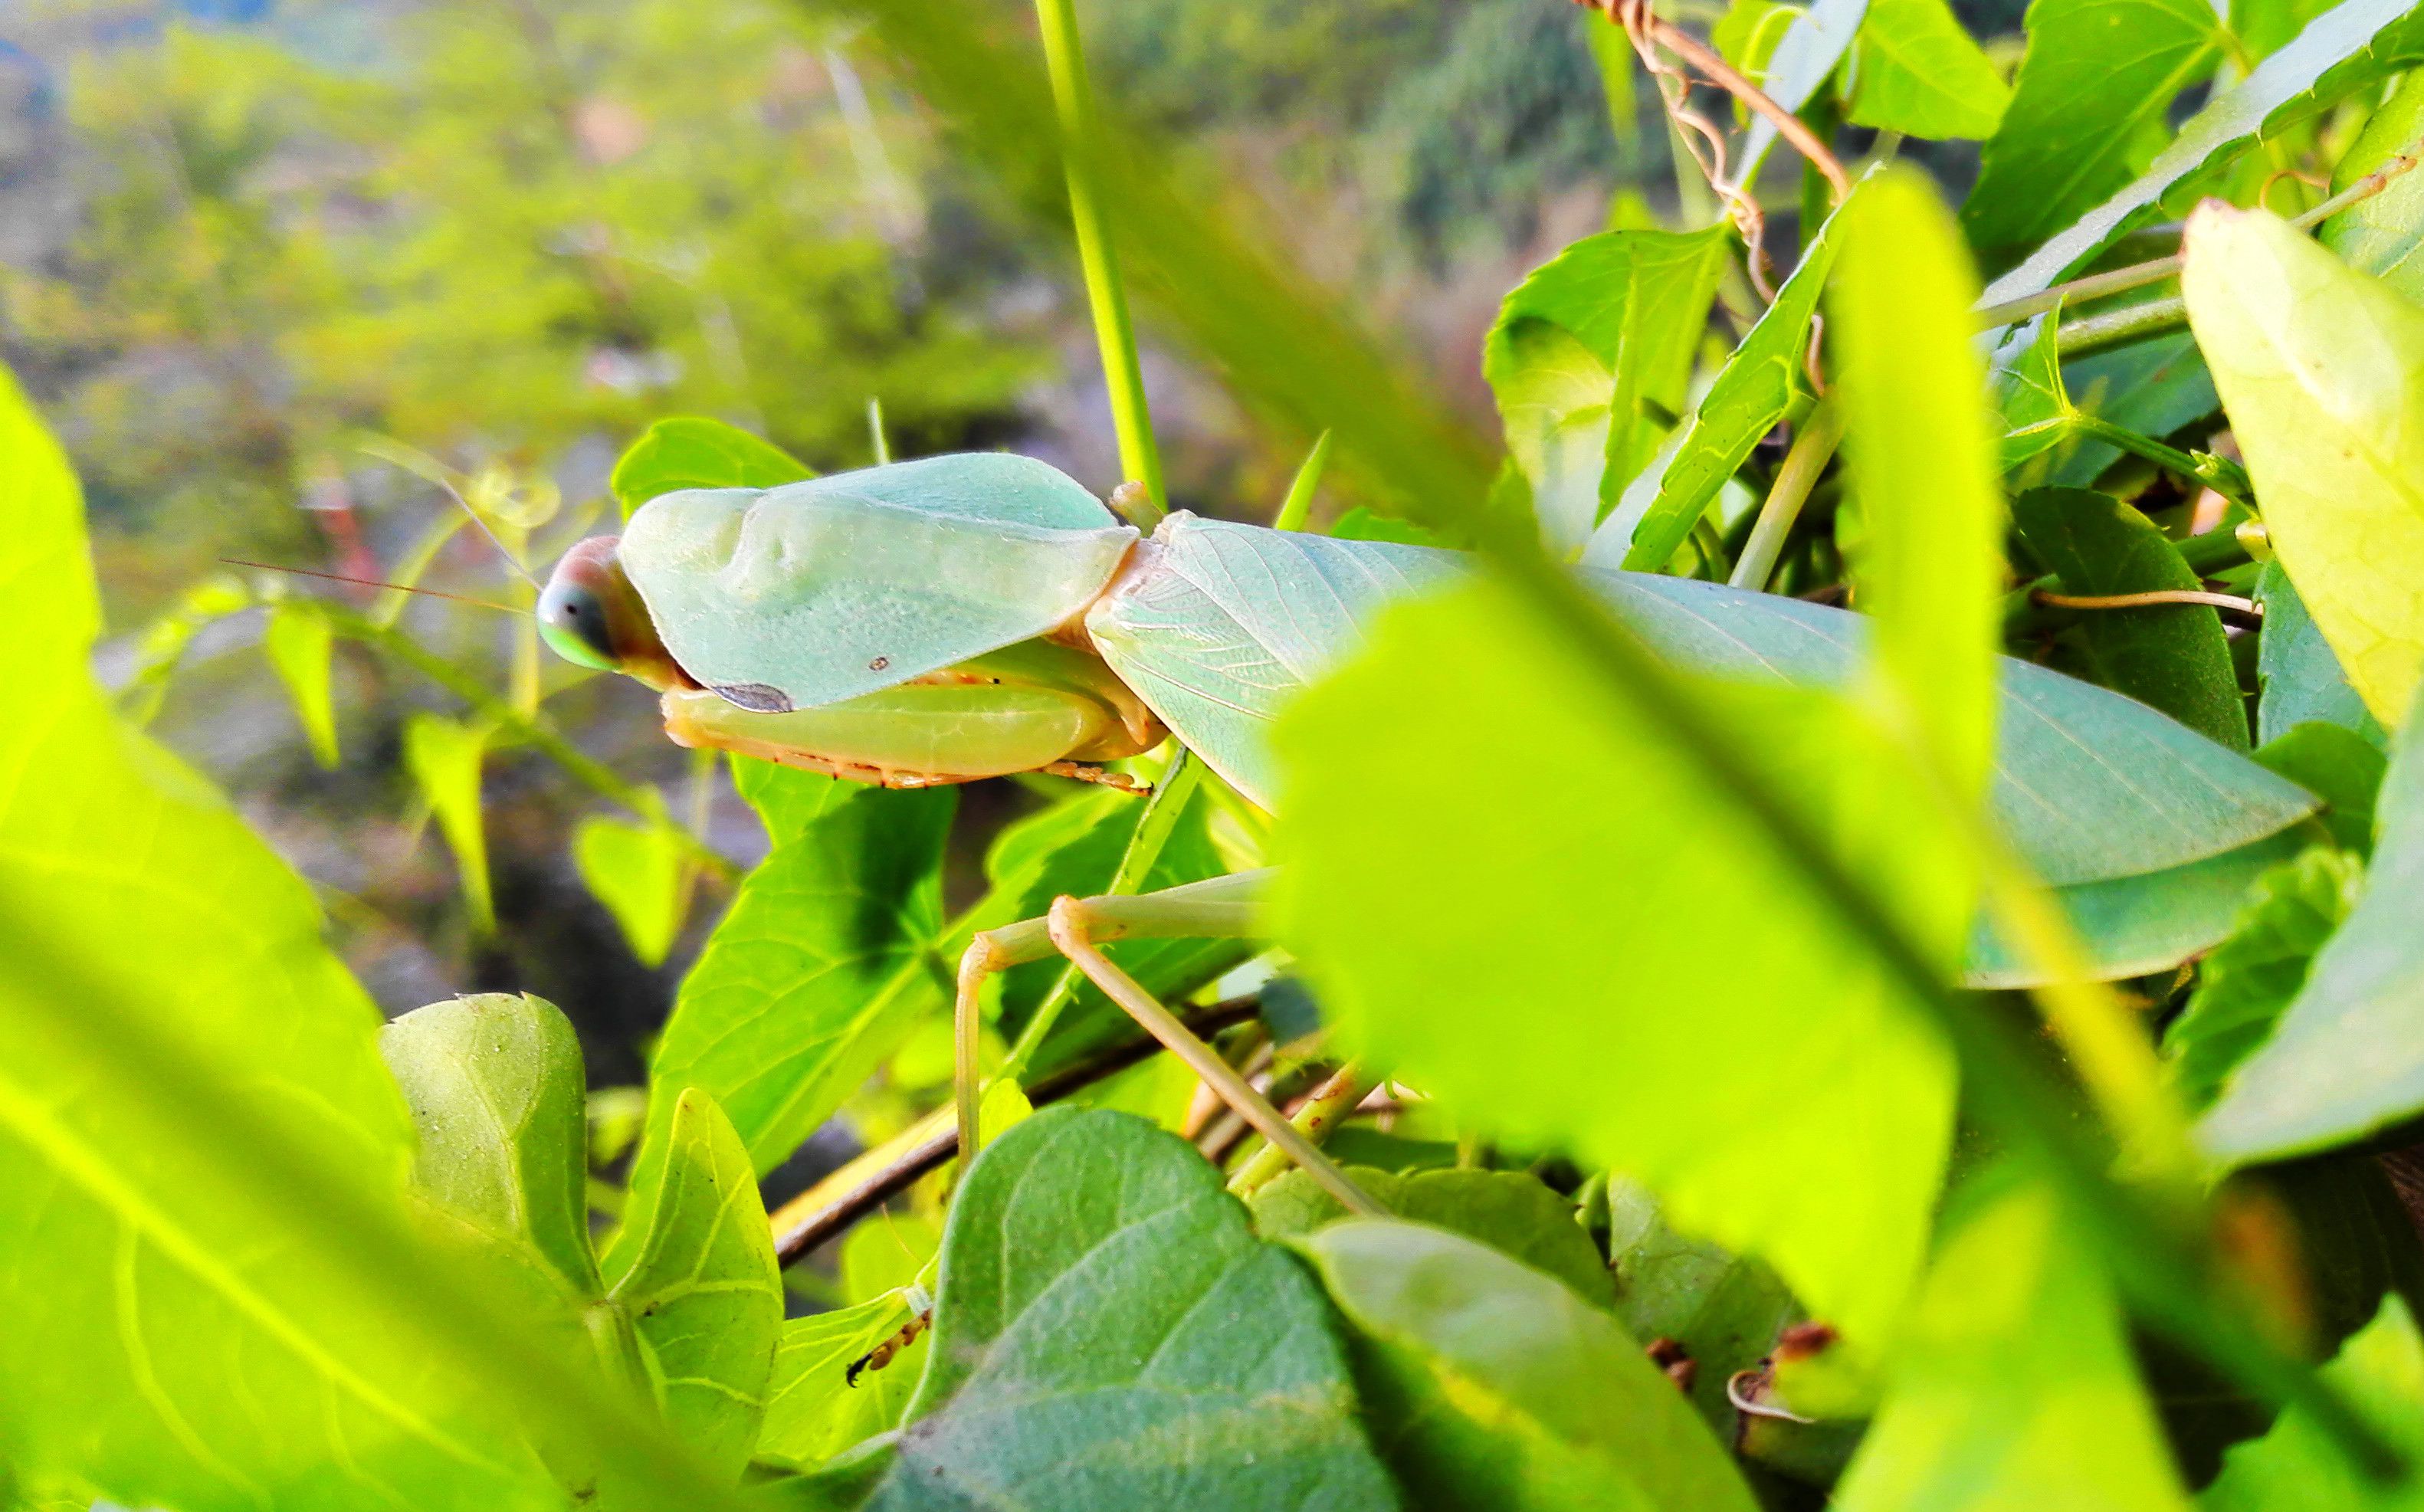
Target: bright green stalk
point(1073, 98)
point(1297, 508)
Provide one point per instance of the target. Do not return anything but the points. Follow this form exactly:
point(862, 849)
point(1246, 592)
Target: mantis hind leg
point(1077, 929)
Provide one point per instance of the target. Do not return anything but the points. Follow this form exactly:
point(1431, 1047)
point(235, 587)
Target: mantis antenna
point(374, 582)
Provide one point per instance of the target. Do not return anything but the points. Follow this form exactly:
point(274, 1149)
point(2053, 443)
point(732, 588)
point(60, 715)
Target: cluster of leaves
point(1685, 993)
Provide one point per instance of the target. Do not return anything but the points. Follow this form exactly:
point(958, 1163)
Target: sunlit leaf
point(2344, 1060)
point(813, 1409)
point(1110, 1333)
point(1582, 348)
point(2251, 977)
point(691, 452)
point(297, 641)
point(1922, 469)
point(2380, 1371)
point(819, 970)
point(2087, 110)
point(2356, 45)
point(444, 756)
point(1916, 71)
point(1608, 862)
point(636, 871)
point(2014, 1386)
point(789, 799)
point(173, 1339)
point(1490, 1385)
point(2322, 370)
point(1511, 1211)
point(2172, 656)
point(1761, 384)
point(697, 1280)
point(495, 1084)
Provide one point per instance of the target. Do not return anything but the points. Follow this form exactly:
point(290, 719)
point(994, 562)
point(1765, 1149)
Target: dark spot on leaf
point(879, 663)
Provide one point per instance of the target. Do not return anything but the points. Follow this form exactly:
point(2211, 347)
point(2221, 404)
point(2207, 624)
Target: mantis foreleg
point(1076, 928)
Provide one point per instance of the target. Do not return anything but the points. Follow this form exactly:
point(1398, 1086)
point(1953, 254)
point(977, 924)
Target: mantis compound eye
point(572, 621)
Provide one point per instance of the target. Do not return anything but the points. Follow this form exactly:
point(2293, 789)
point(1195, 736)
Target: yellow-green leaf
point(2322, 370)
point(636, 871)
point(298, 642)
point(444, 757)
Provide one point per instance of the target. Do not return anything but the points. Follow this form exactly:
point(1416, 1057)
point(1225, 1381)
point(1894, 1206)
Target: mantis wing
point(1228, 620)
point(821, 591)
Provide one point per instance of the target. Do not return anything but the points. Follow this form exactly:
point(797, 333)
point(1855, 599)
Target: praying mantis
point(980, 614)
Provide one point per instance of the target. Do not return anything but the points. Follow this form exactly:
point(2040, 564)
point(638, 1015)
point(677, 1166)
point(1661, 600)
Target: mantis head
point(591, 615)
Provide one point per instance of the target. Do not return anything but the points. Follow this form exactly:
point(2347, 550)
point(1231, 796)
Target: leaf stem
point(1322, 1113)
point(1073, 97)
point(1821, 430)
point(2232, 602)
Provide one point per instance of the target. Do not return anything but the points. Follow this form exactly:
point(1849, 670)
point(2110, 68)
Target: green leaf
point(2350, 47)
point(1511, 1211)
point(1915, 71)
point(2298, 671)
point(2014, 1386)
point(1722, 1310)
point(1492, 1386)
point(443, 757)
point(2322, 370)
point(2345, 1061)
point(2339, 766)
point(691, 452)
point(2384, 234)
point(2087, 110)
point(636, 871)
point(2029, 391)
point(1923, 473)
point(1761, 385)
point(1609, 863)
point(173, 1336)
point(1111, 1334)
point(698, 1281)
point(297, 642)
point(789, 799)
point(2153, 387)
point(813, 1411)
point(2173, 657)
point(496, 1094)
point(2251, 977)
point(822, 967)
point(1582, 348)
point(2380, 1371)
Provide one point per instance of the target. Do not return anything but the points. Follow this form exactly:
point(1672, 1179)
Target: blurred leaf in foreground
point(2381, 1372)
point(2346, 1060)
point(2014, 1386)
point(2322, 370)
point(163, 1343)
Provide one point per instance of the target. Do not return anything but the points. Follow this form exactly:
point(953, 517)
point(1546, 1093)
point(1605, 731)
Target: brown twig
point(2155, 597)
point(828, 1221)
point(1723, 74)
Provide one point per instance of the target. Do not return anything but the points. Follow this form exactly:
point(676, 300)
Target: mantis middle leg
point(1075, 928)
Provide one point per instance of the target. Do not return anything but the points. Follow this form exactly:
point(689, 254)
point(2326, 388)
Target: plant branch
point(2232, 602)
point(819, 1215)
point(1073, 97)
point(1821, 430)
point(1319, 1116)
point(2138, 274)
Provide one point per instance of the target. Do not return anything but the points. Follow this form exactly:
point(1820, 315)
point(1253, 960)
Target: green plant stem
point(1321, 1114)
point(2119, 327)
point(1073, 97)
point(1821, 430)
point(531, 729)
point(2207, 471)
